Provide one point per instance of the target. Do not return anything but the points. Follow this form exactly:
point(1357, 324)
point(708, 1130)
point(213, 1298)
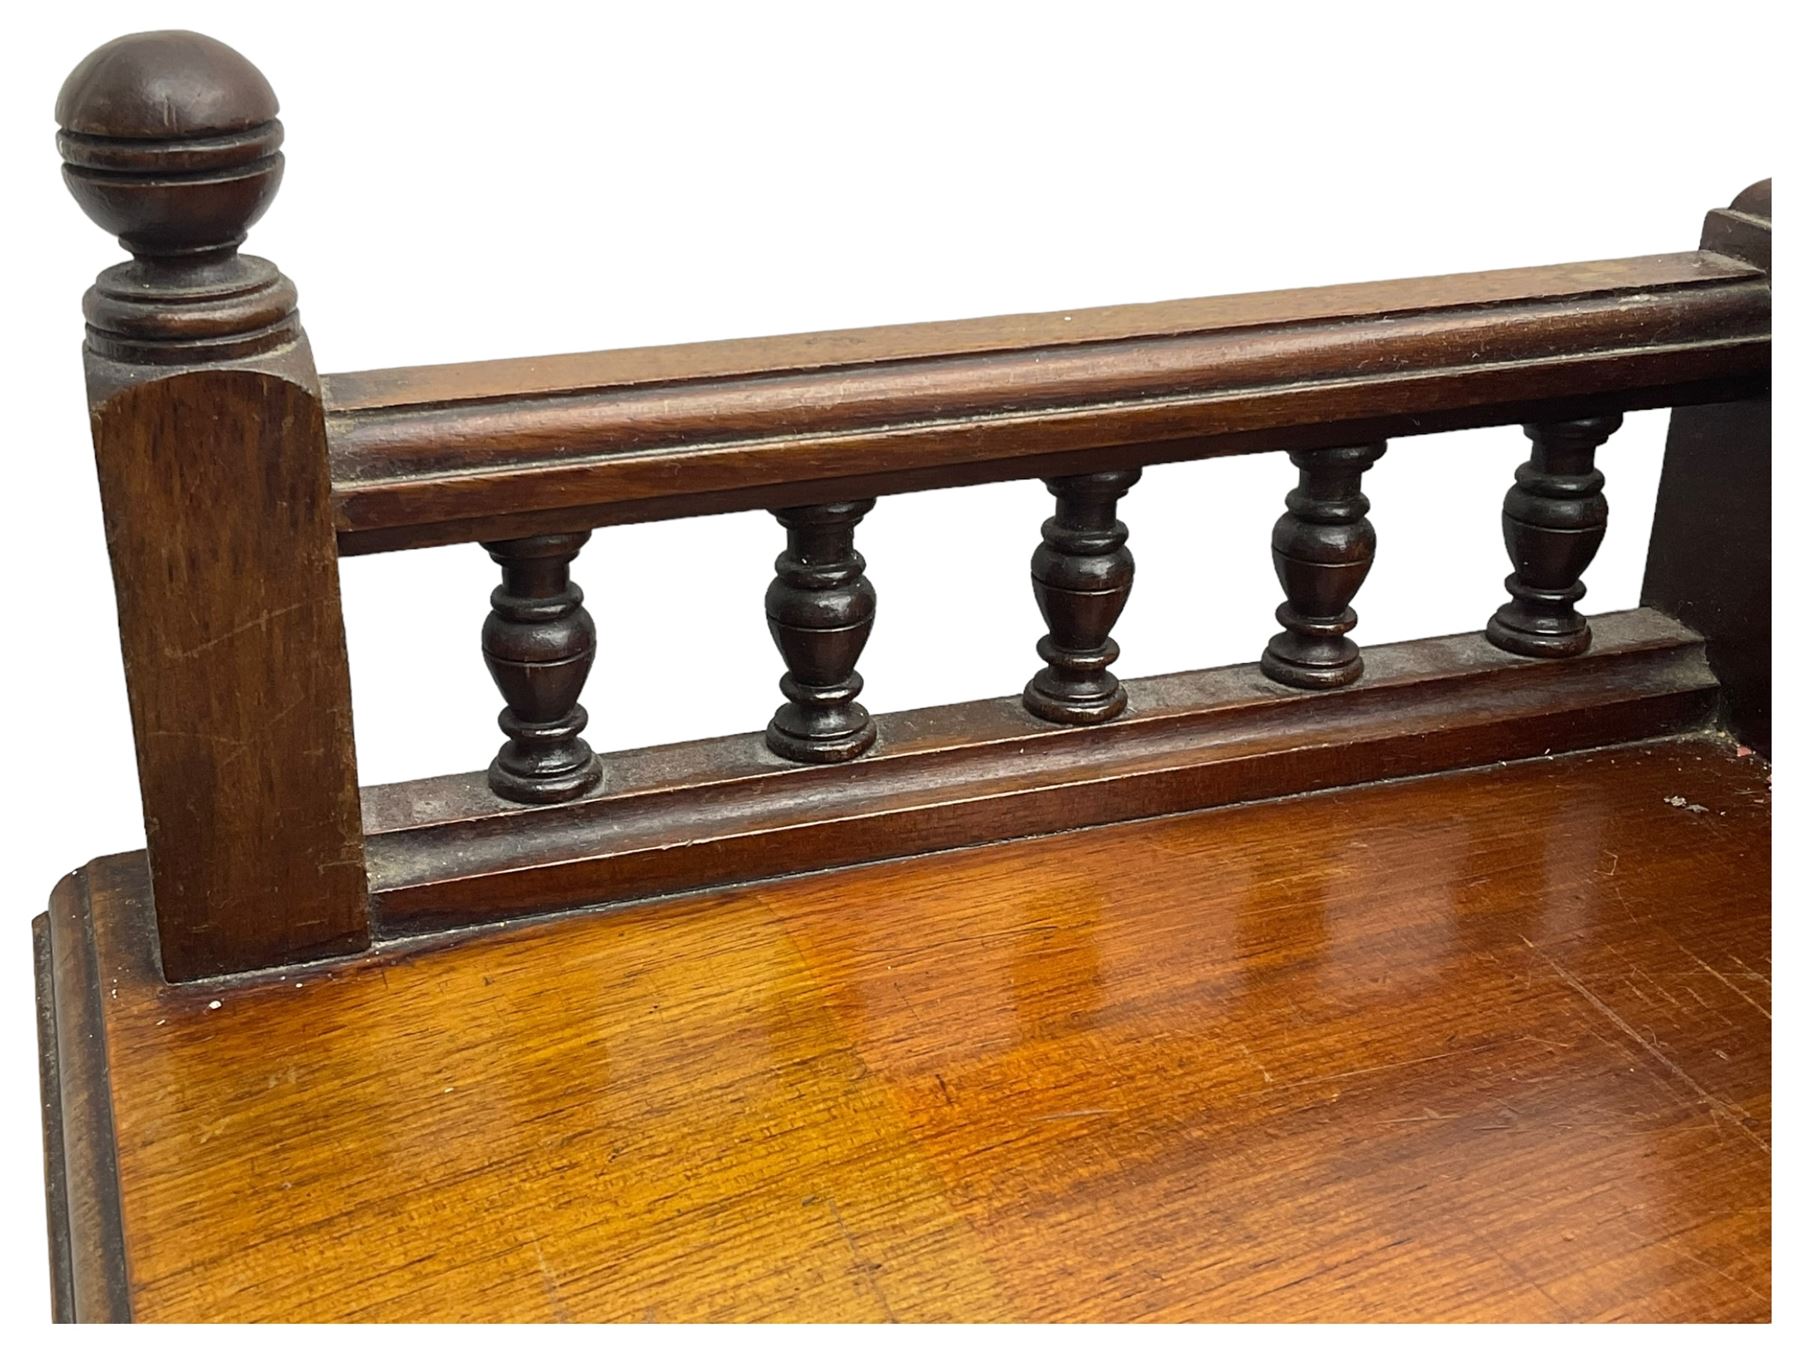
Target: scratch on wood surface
point(1749, 974)
point(1713, 1103)
point(1727, 983)
point(1742, 1285)
point(1519, 1274)
point(1259, 1065)
point(260, 621)
point(1373, 1068)
point(552, 1286)
point(1430, 1116)
point(1554, 1045)
point(859, 1263)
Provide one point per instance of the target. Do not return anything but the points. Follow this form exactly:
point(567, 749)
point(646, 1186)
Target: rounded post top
point(170, 141)
point(1754, 200)
point(169, 85)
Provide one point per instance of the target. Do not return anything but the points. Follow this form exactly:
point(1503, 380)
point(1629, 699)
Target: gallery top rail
point(171, 141)
point(442, 454)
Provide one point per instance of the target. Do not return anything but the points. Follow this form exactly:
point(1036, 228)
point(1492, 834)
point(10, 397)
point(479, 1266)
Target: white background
point(519, 179)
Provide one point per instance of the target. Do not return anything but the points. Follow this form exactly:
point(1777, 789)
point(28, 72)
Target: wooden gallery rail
point(233, 477)
point(262, 848)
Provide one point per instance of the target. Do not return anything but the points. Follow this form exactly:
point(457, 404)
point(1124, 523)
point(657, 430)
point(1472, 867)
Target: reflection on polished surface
point(1488, 1045)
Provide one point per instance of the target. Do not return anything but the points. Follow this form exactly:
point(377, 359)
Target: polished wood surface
point(447, 454)
point(1491, 1046)
point(1486, 1045)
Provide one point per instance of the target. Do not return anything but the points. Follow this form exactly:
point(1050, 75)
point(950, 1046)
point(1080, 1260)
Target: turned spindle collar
point(170, 142)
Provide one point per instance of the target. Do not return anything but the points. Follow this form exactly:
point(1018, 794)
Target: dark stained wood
point(56, 1188)
point(1323, 547)
point(821, 609)
point(444, 853)
point(1711, 551)
point(441, 455)
point(233, 643)
point(1081, 575)
point(1745, 229)
point(1711, 547)
point(210, 442)
point(1553, 521)
point(539, 646)
point(170, 141)
point(1487, 1046)
point(82, 1205)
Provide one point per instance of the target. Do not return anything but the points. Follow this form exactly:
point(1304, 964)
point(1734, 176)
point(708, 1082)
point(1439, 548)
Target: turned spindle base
point(1312, 653)
point(544, 762)
point(820, 725)
point(1540, 622)
point(1076, 688)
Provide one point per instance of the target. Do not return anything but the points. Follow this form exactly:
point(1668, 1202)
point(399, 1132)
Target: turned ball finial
point(169, 141)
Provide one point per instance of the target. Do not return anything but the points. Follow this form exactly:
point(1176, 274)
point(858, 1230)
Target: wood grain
point(233, 641)
point(501, 449)
point(1491, 1045)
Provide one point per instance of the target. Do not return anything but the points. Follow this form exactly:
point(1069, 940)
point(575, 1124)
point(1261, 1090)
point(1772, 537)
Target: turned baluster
point(1553, 521)
point(539, 645)
point(1323, 547)
point(1081, 575)
point(820, 608)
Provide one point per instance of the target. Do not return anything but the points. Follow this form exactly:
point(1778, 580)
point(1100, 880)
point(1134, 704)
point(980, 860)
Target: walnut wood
point(1323, 547)
point(1487, 1046)
point(821, 608)
point(1711, 549)
point(444, 854)
point(210, 442)
point(539, 646)
point(446, 454)
point(1553, 521)
point(1081, 575)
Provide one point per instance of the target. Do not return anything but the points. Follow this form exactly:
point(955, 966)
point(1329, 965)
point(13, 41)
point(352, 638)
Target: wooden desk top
point(1493, 1045)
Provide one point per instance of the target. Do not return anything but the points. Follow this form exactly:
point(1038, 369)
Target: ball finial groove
point(170, 142)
